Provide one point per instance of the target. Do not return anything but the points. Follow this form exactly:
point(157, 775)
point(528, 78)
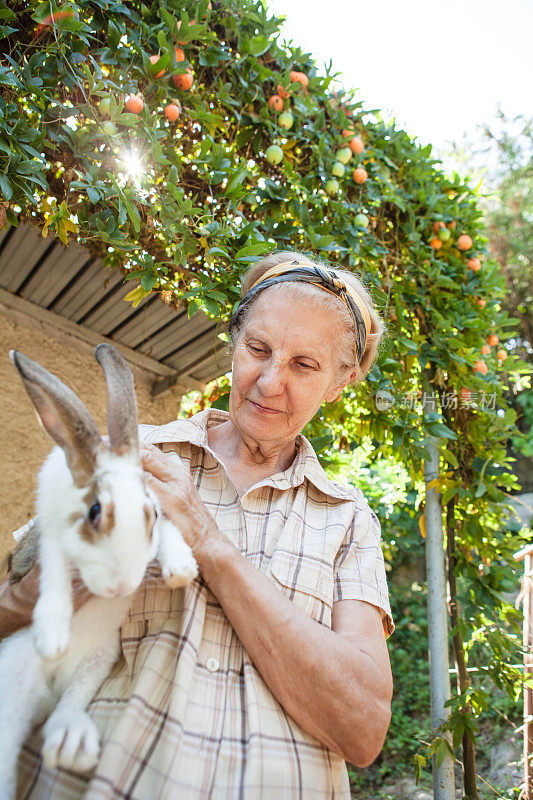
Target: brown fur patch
point(107, 522)
point(125, 449)
point(149, 520)
point(74, 517)
point(25, 554)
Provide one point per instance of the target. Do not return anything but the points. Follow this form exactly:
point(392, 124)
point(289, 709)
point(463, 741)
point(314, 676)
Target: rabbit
point(94, 514)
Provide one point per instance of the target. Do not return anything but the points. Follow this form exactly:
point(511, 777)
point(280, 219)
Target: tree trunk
point(463, 680)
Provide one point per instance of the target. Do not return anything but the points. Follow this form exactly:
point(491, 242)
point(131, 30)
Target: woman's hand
point(179, 498)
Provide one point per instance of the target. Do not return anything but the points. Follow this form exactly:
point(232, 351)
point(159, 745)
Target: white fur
point(54, 668)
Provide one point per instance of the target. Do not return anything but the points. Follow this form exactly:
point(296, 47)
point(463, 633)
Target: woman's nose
point(271, 381)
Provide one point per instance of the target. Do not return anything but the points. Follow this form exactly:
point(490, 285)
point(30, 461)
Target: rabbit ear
point(121, 400)
point(63, 416)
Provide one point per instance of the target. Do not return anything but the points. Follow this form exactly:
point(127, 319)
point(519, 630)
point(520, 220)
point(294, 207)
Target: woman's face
point(284, 367)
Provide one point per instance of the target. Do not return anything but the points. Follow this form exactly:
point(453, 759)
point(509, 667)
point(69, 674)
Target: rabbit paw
point(51, 635)
point(71, 741)
point(179, 568)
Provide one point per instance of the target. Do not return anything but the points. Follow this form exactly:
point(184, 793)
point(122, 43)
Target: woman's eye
point(301, 364)
point(256, 349)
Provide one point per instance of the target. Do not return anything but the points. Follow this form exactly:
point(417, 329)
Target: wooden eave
point(69, 289)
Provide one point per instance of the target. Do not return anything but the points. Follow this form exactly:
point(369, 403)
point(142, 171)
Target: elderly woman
point(271, 669)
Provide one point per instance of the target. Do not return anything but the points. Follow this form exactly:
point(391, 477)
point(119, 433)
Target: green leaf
point(130, 120)
point(193, 307)
point(259, 45)
point(163, 41)
point(321, 442)
point(7, 14)
point(7, 30)
point(441, 430)
point(211, 306)
point(213, 251)
point(172, 174)
point(253, 250)
point(441, 751)
point(5, 187)
point(134, 216)
point(170, 21)
point(212, 56)
point(135, 296)
point(450, 457)
point(237, 178)
point(221, 402)
point(155, 69)
point(148, 282)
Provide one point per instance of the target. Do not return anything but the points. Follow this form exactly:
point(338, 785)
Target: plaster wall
point(23, 443)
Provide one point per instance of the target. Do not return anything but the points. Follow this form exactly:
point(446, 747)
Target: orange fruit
point(282, 92)
point(299, 77)
point(180, 55)
point(276, 103)
point(154, 60)
point(348, 133)
point(474, 264)
point(436, 243)
point(184, 81)
point(485, 350)
point(464, 242)
point(480, 366)
point(465, 393)
point(493, 339)
point(501, 355)
point(357, 145)
point(134, 104)
point(452, 225)
point(437, 226)
point(360, 175)
point(172, 112)
point(481, 302)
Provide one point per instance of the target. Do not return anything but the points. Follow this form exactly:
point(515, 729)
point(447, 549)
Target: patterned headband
point(326, 279)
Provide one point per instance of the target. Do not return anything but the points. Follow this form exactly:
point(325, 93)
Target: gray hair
point(340, 316)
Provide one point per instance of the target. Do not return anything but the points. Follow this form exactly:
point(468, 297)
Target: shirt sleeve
point(359, 568)
point(145, 431)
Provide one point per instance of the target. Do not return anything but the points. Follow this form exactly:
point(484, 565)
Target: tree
point(502, 160)
point(183, 199)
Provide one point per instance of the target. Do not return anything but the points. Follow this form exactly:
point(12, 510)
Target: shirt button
point(212, 664)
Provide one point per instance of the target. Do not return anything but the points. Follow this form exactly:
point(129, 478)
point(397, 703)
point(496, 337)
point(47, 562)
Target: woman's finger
point(156, 456)
point(161, 467)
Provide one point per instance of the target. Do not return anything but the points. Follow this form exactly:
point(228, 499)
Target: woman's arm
point(17, 601)
point(336, 684)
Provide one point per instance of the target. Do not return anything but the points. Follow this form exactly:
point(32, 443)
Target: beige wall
point(23, 443)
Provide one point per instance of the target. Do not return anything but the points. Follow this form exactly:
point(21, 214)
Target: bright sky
point(439, 68)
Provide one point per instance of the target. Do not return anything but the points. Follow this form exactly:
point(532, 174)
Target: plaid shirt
point(185, 715)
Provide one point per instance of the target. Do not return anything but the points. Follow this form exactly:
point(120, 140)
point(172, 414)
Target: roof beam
point(184, 383)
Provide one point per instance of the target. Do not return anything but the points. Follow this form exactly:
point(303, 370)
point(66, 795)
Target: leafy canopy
point(183, 207)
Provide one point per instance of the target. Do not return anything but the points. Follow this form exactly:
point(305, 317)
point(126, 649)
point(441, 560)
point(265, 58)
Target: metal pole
point(443, 776)
point(526, 596)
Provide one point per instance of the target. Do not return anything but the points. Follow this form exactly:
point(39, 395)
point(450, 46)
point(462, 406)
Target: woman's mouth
point(265, 409)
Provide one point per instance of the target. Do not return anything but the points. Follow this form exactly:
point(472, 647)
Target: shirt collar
point(305, 464)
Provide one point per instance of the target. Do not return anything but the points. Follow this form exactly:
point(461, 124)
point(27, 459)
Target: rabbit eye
point(94, 513)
